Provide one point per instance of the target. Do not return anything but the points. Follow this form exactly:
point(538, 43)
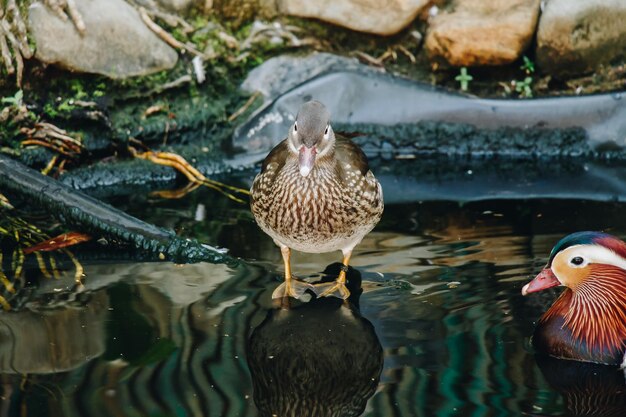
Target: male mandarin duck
point(315, 193)
point(588, 321)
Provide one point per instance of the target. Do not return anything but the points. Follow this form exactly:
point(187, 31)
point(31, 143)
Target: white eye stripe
point(594, 254)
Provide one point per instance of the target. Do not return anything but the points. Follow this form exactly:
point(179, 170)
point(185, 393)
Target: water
point(440, 328)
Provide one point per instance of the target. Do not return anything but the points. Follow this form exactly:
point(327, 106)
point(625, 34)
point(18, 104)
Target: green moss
point(50, 110)
point(66, 106)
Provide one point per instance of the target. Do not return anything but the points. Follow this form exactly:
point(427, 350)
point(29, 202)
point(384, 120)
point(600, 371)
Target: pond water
point(439, 329)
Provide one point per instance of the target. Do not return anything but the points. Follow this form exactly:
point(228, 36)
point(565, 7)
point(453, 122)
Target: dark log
point(86, 214)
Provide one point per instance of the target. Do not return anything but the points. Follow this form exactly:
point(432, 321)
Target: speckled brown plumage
point(330, 208)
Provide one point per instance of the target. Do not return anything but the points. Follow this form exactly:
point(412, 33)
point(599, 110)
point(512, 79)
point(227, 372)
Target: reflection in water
point(319, 359)
point(588, 389)
point(441, 287)
point(53, 340)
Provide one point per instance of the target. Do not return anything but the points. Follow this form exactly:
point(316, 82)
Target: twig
point(86, 104)
point(369, 59)
point(165, 36)
point(6, 55)
point(192, 174)
point(4, 202)
point(173, 20)
point(19, 24)
point(57, 8)
point(172, 84)
point(76, 16)
point(245, 107)
point(16, 48)
point(46, 145)
point(408, 53)
point(50, 165)
point(170, 19)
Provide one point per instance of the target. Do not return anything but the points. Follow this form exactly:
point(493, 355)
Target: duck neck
point(595, 310)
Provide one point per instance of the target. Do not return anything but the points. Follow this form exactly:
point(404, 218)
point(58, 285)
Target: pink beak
point(544, 280)
point(306, 159)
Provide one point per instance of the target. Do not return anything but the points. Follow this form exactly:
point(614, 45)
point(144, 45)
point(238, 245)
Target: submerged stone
point(116, 42)
point(576, 36)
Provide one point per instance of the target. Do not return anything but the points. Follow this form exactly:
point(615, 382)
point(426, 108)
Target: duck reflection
point(320, 358)
point(588, 389)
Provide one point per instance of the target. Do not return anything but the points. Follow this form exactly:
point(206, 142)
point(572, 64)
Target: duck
point(315, 194)
point(588, 320)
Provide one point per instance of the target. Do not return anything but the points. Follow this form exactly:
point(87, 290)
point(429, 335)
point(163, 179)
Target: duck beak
point(544, 280)
point(306, 159)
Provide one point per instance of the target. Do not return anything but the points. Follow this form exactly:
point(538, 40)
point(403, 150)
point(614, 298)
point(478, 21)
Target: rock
point(116, 43)
point(372, 16)
point(575, 36)
point(176, 5)
point(282, 73)
point(478, 32)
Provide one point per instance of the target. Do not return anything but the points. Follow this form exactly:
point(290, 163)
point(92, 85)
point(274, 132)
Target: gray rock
point(575, 36)
point(282, 73)
point(372, 16)
point(116, 43)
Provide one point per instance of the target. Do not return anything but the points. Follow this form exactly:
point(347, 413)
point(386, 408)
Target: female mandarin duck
point(315, 194)
point(588, 321)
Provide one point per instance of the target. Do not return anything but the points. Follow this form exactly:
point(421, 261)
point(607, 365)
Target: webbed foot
point(292, 288)
point(332, 289)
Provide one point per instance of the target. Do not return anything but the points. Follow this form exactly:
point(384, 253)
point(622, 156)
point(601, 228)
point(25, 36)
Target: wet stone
point(116, 42)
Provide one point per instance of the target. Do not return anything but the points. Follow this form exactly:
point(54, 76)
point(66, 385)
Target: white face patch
point(293, 137)
point(327, 146)
point(580, 256)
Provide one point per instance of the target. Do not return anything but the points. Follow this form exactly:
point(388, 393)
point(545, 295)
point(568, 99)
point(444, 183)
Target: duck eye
point(577, 260)
point(295, 127)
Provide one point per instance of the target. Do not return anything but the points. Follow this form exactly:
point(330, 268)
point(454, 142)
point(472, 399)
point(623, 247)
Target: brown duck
point(315, 194)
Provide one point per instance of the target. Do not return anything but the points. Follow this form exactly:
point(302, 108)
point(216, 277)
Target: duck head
point(311, 137)
point(588, 320)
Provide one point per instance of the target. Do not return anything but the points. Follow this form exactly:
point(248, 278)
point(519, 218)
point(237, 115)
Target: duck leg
point(292, 287)
point(336, 288)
